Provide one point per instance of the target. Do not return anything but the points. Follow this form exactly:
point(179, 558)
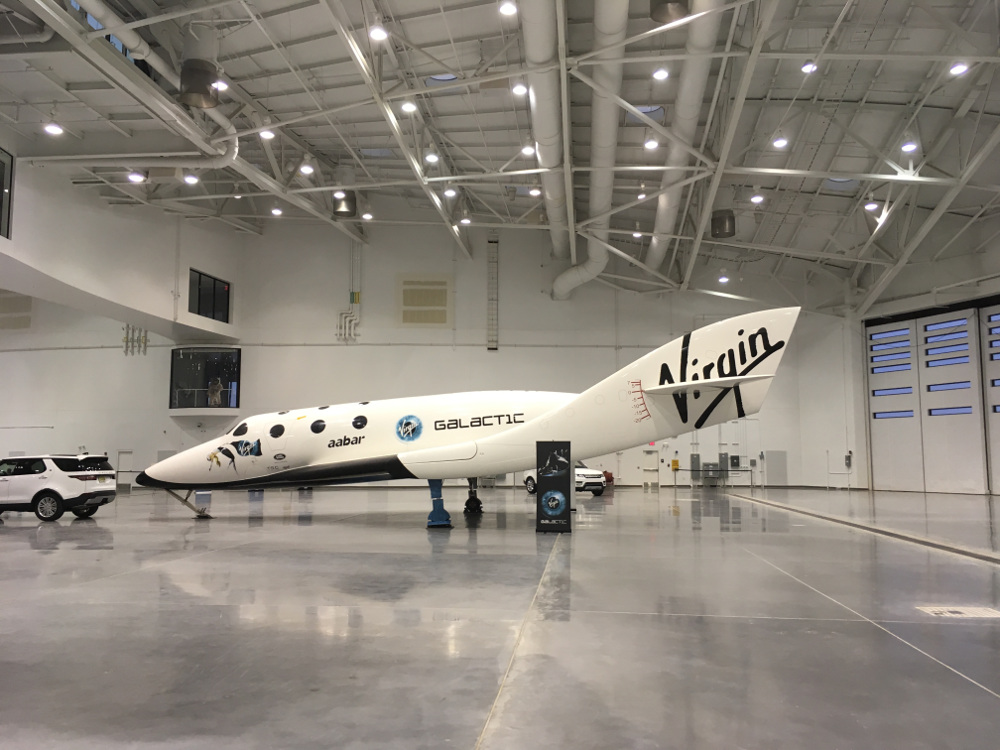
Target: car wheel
point(598, 493)
point(84, 511)
point(48, 506)
point(529, 485)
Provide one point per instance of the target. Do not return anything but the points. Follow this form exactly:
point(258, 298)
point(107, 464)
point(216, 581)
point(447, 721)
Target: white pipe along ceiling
point(538, 24)
point(610, 26)
point(702, 36)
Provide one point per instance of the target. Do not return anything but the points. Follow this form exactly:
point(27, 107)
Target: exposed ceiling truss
point(829, 211)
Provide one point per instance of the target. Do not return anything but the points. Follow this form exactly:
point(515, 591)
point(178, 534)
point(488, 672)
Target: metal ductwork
point(538, 28)
point(702, 37)
point(200, 67)
point(345, 202)
point(610, 26)
point(667, 11)
point(141, 50)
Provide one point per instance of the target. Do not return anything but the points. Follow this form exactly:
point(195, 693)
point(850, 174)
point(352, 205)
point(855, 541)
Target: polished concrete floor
point(334, 619)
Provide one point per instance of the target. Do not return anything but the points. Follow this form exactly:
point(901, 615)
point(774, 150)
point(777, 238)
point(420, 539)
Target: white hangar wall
point(67, 383)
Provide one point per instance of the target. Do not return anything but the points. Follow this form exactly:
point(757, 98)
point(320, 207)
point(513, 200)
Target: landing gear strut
point(198, 512)
point(438, 518)
point(473, 506)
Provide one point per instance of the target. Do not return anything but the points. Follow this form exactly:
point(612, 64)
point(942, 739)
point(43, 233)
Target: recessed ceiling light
point(136, 177)
point(519, 89)
point(267, 134)
point(450, 192)
point(871, 206)
point(810, 67)
point(339, 195)
point(220, 85)
point(528, 150)
point(958, 68)
point(780, 142)
point(54, 129)
point(651, 143)
point(367, 216)
point(409, 107)
point(661, 74)
point(535, 192)
point(908, 147)
point(276, 211)
point(378, 33)
point(507, 8)
point(191, 179)
point(307, 168)
point(431, 158)
point(756, 198)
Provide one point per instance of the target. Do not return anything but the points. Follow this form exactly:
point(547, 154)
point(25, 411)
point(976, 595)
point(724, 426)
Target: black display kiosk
point(554, 485)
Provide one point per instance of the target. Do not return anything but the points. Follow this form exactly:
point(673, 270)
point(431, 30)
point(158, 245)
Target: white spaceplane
point(711, 375)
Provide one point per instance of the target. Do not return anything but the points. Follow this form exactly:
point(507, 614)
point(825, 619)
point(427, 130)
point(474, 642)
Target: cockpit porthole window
point(360, 422)
point(318, 426)
point(241, 430)
point(277, 431)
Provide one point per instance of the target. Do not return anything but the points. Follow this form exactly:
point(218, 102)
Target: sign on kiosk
point(555, 482)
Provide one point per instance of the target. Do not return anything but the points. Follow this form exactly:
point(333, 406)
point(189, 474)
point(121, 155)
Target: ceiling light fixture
point(958, 68)
point(661, 74)
point(780, 141)
point(378, 32)
point(667, 11)
point(528, 150)
point(535, 192)
point(756, 198)
point(810, 67)
point(723, 278)
point(508, 8)
point(367, 216)
point(339, 195)
point(909, 146)
point(871, 205)
point(191, 179)
point(238, 197)
point(137, 177)
point(642, 191)
point(220, 85)
point(409, 107)
point(306, 168)
point(53, 129)
point(267, 134)
point(465, 220)
point(431, 157)
point(651, 144)
point(450, 192)
point(276, 211)
point(519, 89)
point(637, 233)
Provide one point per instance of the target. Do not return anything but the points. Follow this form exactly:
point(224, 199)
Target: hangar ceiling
point(582, 114)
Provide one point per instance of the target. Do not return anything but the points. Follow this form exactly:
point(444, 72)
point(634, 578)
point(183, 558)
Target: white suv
point(586, 479)
point(51, 485)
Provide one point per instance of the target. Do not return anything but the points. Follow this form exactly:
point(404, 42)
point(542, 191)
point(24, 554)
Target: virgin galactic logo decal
point(409, 428)
point(738, 360)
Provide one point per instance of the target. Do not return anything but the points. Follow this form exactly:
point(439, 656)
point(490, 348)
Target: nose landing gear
point(473, 506)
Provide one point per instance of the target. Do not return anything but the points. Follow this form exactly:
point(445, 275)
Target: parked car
point(586, 479)
point(51, 485)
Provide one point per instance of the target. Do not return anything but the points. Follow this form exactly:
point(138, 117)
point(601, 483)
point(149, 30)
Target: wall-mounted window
point(205, 378)
point(7, 183)
point(209, 296)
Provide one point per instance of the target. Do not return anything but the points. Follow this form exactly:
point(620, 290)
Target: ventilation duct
point(662, 11)
point(345, 202)
point(723, 223)
point(200, 69)
point(610, 26)
point(538, 27)
point(703, 34)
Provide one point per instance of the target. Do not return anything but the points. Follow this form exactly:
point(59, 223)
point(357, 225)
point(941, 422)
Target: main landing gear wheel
point(598, 493)
point(529, 485)
point(473, 506)
point(85, 511)
point(48, 506)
